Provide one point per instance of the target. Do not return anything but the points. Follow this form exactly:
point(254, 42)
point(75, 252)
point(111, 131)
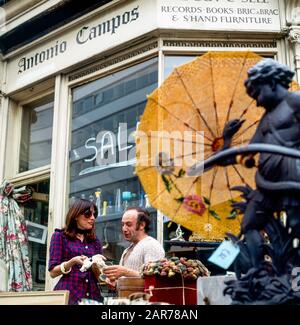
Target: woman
point(69, 248)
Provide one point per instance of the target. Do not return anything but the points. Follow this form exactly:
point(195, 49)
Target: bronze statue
point(277, 177)
point(267, 254)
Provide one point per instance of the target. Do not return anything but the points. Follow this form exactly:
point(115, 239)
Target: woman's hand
point(67, 265)
point(76, 260)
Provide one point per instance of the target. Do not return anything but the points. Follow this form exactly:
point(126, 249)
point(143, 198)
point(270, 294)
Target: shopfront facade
point(72, 98)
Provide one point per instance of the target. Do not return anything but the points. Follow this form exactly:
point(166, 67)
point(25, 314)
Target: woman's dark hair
point(267, 70)
point(76, 209)
point(143, 216)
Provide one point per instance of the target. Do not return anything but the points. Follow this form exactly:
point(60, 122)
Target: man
point(143, 248)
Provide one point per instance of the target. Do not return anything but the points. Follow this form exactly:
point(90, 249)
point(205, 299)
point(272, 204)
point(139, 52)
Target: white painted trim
point(31, 176)
point(36, 97)
point(13, 136)
point(282, 12)
point(58, 196)
point(160, 62)
point(3, 132)
point(3, 276)
point(159, 219)
point(160, 227)
point(4, 104)
point(201, 50)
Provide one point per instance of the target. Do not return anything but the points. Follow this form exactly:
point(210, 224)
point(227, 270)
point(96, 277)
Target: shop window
point(118, 99)
point(36, 215)
point(36, 135)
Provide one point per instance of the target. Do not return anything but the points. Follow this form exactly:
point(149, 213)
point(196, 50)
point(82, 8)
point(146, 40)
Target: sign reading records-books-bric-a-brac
point(240, 15)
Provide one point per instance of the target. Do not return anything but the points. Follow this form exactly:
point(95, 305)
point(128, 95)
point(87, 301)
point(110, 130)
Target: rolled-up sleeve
point(56, 247)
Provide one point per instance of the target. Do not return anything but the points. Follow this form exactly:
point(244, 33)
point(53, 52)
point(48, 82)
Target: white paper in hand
point(225, 254)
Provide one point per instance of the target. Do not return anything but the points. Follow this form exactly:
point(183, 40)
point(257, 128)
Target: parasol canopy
point(183, 123)
point(14, 238)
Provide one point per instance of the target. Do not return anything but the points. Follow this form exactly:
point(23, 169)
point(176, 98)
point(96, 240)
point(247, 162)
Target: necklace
point(82, 231)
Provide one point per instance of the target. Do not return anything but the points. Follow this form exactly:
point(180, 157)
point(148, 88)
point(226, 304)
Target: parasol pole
point(200, 167)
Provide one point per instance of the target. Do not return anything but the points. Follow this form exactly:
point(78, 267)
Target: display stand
point(194, 250)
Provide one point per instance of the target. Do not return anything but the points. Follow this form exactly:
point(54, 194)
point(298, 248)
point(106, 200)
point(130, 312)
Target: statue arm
point(294, 102)
point(248, 160)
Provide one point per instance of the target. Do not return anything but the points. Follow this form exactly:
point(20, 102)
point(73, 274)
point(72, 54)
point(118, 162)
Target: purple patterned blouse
point(80, 284)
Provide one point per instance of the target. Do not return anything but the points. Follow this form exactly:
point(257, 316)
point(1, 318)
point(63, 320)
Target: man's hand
point(114, 272)
point(98, 258)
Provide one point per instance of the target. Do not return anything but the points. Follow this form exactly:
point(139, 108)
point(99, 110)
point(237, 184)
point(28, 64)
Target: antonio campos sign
point(109, 29)
point(131, 19)
point(83, 36)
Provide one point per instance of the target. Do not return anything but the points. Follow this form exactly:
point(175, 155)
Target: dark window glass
point(36, 136)
point(98, 107)
point(36, 214)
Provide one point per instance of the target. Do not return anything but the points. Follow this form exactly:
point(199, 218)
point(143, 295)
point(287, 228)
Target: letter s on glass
point(91, 147)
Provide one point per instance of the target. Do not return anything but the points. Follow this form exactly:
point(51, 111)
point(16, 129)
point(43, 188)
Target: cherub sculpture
point(277, 140)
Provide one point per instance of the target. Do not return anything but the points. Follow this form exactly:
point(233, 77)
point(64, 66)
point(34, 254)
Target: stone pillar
point(3, 123)
point(294, 38)
point(292, 16)
point(292, 12)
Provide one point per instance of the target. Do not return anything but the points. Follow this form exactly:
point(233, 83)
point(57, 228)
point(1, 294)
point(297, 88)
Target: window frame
point(36, 173)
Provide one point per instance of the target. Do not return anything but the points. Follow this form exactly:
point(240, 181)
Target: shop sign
point(94, 36)
point(126, 22)
point(235, 15)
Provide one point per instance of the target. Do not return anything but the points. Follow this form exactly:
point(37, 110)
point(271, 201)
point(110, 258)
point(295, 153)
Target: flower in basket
point(190, 269)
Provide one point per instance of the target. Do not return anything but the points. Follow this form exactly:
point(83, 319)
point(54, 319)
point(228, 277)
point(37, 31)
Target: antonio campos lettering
point(85, 34)
point(40, 57)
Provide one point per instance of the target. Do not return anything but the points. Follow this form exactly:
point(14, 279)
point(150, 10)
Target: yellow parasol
point(183, 122)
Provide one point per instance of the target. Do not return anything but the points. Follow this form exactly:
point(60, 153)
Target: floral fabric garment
point(14, 239)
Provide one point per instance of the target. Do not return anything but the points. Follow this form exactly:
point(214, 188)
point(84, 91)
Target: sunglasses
point(88, 213)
